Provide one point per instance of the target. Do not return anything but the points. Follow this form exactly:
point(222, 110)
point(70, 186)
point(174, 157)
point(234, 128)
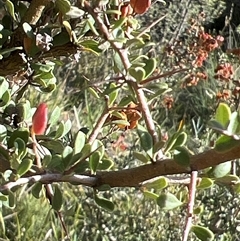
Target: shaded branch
point(14, 62)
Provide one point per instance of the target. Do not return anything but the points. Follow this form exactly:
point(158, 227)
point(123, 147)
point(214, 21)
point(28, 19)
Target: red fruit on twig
point(140, 6)
point(39, 119)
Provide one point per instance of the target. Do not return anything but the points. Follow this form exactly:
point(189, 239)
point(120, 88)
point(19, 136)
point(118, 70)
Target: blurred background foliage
point(136, 218)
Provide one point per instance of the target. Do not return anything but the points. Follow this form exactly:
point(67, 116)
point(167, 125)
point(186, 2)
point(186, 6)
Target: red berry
point(39, 119)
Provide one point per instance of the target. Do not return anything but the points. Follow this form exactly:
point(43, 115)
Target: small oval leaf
point(202, 233)
point(223, 114)
point(57, 199)
point(168, 201)
point(104, 203)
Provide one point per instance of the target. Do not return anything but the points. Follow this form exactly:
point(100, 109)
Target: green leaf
point(3, 132)
point(105, 164)
point(141, 157)
point(10, 8)
point(75, 12)
point(119, 23)
point(205, 183)
point(202, 233)
point(56, 163)
point(223, 114)
point(98, 145)
point(180, 140)
point(104, 203)
point(171, 142)
point(11, 199)
point(67, 127)
point(168, 201)
point(113, 94)
point(53, 145)
point(198, 210)
point(3, 198)
point(118, 62)
point(20, 148)
point(63, 5)
point(24, 166)
point(138, 73)
point(4, 85)
point(22, 133)
point(182, 156)
point(236, 188)
point(5, 99)
point(91, 45)
point(67, 156)
point(60, 131)
point(94, 161)
point(234, 125)
point(221, 170)
point(57, 199)
point(228, 179)
point(79, 142)
point(145, 140)
point(28, 30)
point(225, 143)
point(150, 66)
point(157, 184)
point(36, 189)
point(214, 124)
point(150, 195)
point(55, 115)
point(93, 93)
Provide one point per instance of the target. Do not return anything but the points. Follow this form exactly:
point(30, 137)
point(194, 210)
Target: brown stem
point(145, 111)
point(134, 176)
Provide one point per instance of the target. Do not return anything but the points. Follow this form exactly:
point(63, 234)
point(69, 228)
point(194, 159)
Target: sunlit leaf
point(10, 8)
point(79, 142)
point(205, 183)
point(223, 114)
point(202, 233)
point(157, 184)
point(221, 170)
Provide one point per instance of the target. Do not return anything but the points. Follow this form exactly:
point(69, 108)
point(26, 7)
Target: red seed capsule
point(39, 119)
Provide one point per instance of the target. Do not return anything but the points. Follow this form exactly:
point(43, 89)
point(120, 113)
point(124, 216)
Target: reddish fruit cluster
point(39, 119)
point(224, 72)
point(224, 95)
point(205, 44)
point(168, 101)
point(194, 78)
point(140, 6)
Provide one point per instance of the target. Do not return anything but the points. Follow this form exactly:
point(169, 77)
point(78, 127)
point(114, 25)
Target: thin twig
point(123, 53)
point(169, 73)
point(101, 121)
point(192, 193)
point(150, 26)
point(50, 178)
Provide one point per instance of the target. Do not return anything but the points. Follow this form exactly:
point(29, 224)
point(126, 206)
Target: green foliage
point(127, 74)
